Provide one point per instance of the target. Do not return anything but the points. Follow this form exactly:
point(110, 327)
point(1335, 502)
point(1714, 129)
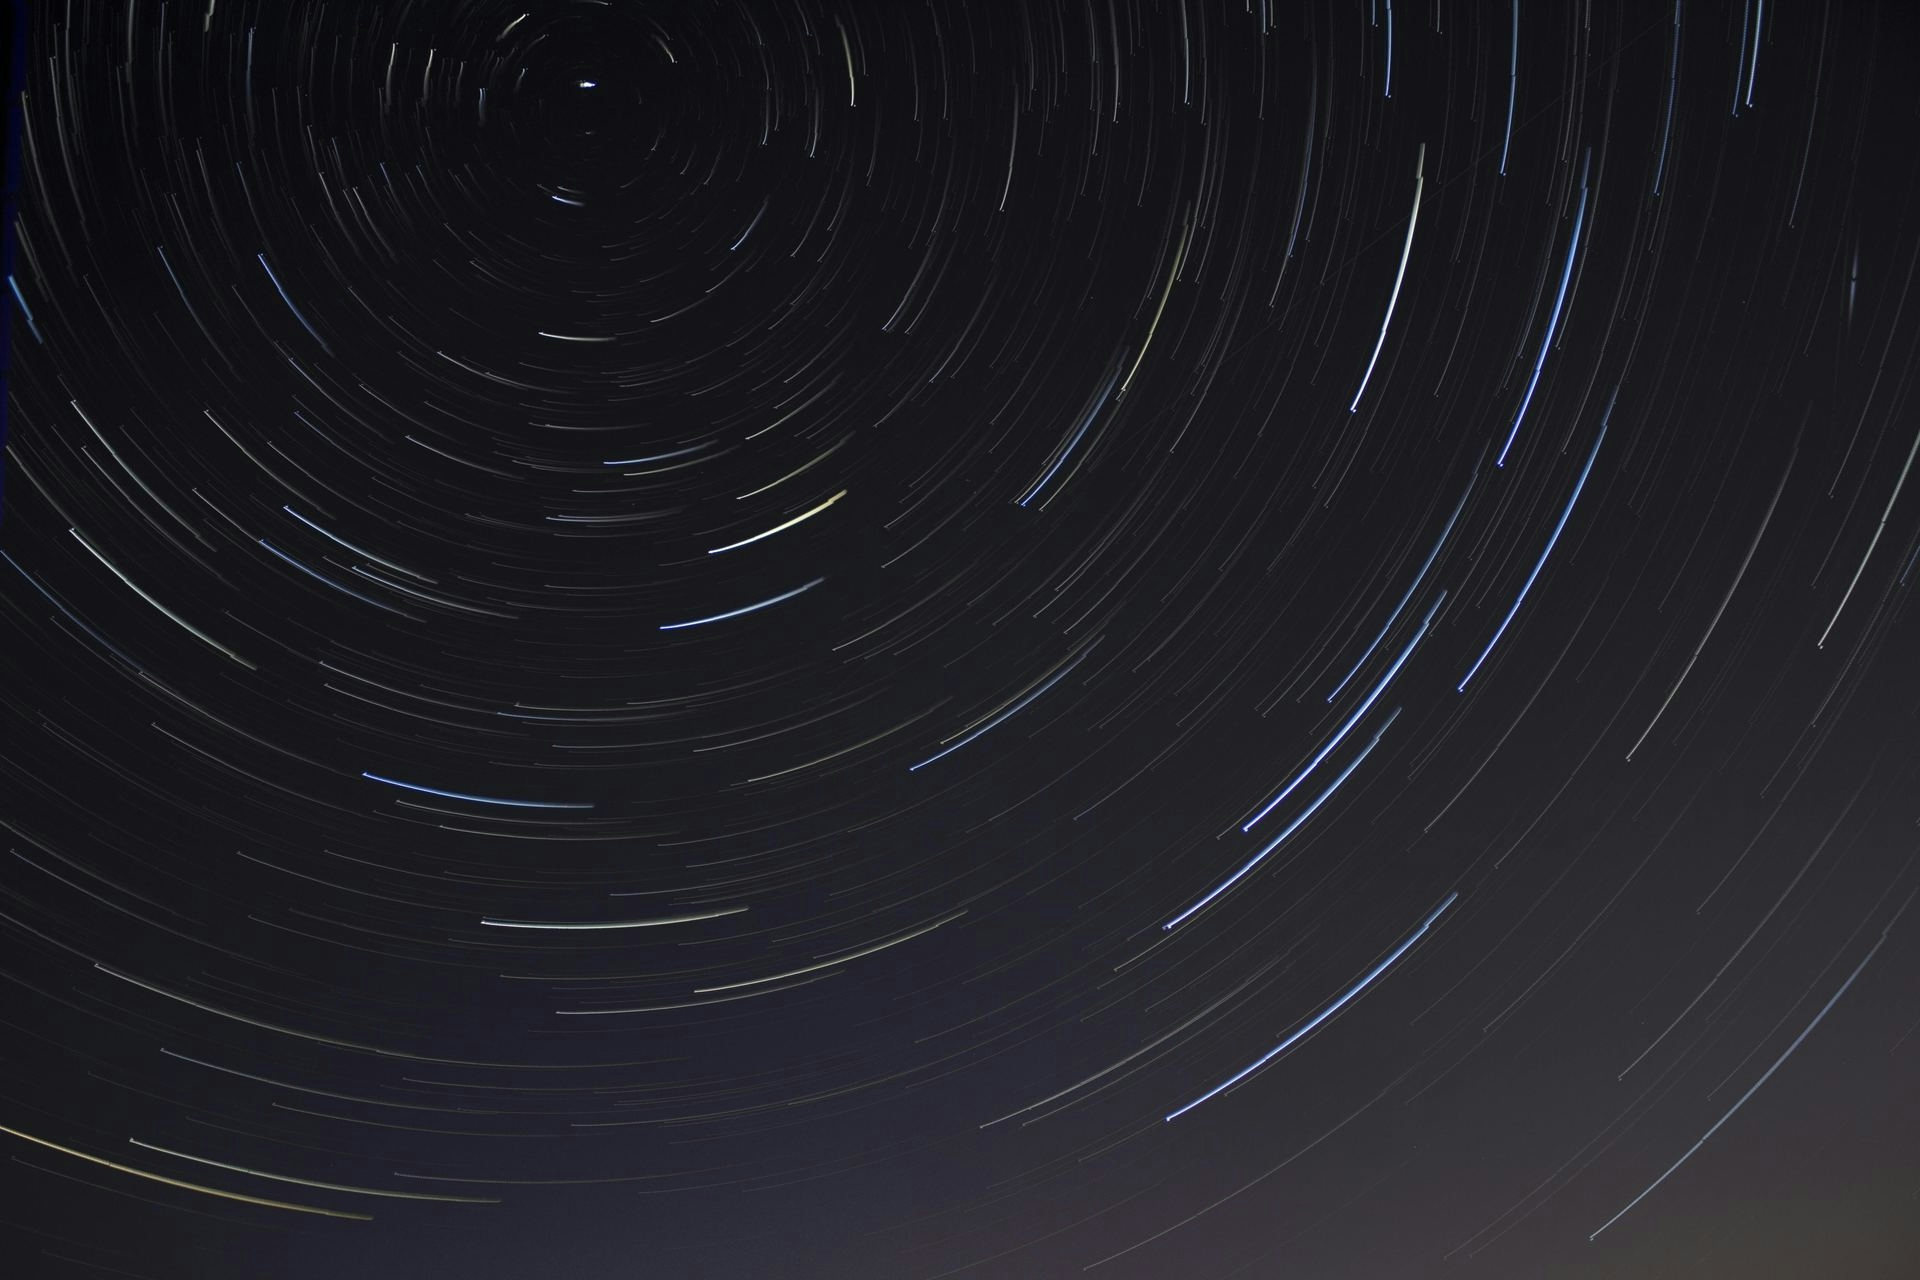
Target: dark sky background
point(769, 639)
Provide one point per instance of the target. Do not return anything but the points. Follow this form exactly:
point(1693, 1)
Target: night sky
point(992, 638)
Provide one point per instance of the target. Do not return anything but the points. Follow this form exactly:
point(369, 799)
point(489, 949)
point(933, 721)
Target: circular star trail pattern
point(1131, 637)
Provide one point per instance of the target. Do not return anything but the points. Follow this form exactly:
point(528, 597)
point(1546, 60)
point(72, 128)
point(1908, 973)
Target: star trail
point(988, 638)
